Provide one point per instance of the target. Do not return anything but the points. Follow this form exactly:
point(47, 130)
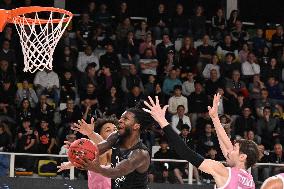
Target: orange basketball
point(82, 149)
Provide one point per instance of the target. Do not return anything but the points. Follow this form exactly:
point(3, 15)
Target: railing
point(72, 172)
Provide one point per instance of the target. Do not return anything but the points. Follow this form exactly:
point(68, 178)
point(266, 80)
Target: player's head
point(272, 183)
point(105, 126)
point(134, 120)
point(244, 152)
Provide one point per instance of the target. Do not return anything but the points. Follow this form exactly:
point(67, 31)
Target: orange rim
point(17, 18)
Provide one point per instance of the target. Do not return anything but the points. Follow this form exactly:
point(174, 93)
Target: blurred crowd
point(107, 62)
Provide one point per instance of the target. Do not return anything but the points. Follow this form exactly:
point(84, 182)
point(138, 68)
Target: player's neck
point(131, 141)
point(240, 166)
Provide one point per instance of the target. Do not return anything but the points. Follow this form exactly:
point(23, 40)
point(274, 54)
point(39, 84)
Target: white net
point(38, 40)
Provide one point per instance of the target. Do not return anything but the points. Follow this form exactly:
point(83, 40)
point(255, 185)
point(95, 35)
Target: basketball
point(80, 149)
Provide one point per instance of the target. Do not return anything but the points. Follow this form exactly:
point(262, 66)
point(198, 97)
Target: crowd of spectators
point(104, 65)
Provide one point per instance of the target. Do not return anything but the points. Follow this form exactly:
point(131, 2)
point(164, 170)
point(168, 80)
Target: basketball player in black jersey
point(130, 157)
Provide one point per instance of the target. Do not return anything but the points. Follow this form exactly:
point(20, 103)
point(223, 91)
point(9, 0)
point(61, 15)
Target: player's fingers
point(165, 108)
point(83, 121)
point(146, 110)
point(92, 120)
point(75, 129)
point(151, 101)
point(148, 105)
point(157, 101)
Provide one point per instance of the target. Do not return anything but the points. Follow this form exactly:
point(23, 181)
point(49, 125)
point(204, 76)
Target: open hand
point(94, 165)
point(213, 111)
point(83, 127)
point(156, 111)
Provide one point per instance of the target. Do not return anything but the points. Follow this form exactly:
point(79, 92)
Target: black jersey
point(132, 180)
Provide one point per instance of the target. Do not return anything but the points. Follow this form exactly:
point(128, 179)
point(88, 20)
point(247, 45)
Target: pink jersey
point(97, 181)
point(238, 179)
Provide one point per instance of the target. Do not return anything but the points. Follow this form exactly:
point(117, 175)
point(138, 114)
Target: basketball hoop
point(38, 36)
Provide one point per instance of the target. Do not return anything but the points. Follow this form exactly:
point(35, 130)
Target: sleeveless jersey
point(238, 179)
point(132, 180)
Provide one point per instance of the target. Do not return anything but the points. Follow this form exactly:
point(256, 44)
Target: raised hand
point(156, 111)
point(213, 111)
point(83, 127)
point(64, 166)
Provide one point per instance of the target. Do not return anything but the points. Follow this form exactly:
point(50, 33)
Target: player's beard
point(126, 134)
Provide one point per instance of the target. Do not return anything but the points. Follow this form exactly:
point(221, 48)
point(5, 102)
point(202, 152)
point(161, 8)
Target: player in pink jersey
point(275, 182)
point(239, 157)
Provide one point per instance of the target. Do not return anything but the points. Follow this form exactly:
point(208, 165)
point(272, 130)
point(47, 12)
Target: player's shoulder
point(272, 183)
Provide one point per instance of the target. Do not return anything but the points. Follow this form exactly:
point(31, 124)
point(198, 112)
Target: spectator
point(7, 100)
point(45, 138)
point(142, 31)
point(176, 100)
point(219, 24)
point(213, 65)
point(207, 140)
point(7, 54)
point(47, 82)
point(71, 114)
point(5, 139)
point(68, 87)
point(103, 18)
point(110, 58)
point(107, 80)
point(258, 42)
point(67, 61)
point(188, 85)
point(179, 119)
point(267, 128)
point(88, 110)
point(235, 85)
point(129, 49)
point(227, 46)
point(148, 65)
point(250, 67)
point(244, 123)
point(150, 85)
point(131, 80)
point(277, 41)
point(70, 138)
point(159, 93)
point(250, 135)
point(5, 73)
point(197, 101)
point(25, 111)
point(205, 50)
point(26, 92)
point(255, 87)
point(85, 58)
point(123, 29)
point(274, 90)
point(260, 173)
point(213, 83)
point(26, 143)
point(179, 22)
point(43, 110)
point(234, 16)
point(162, 168)
point(229, 66)
point(83, 30)
point(273, 69)
point(160, 22)
point(148, 43)
point(91, 10)
point(169, 64)
point(264, 101)
point(90, 94)
point(122, 13)
point(198, 22)
point(244, 52)
point(134, 97)
point(7, 5)
point(239, 36)
point(277, 157)
point(188, 55)
point(170, 82)
point(113, 104)
point(88, 77)
point(67, 41)
point(162, 50)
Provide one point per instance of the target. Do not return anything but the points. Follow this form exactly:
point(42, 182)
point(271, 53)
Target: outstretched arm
point(208, 166)
point(224, 140)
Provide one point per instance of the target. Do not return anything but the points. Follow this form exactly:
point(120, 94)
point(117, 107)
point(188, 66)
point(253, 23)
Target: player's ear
point(136, 126)
point(243, 157)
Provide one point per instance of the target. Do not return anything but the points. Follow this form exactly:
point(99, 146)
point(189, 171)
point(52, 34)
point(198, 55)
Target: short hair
point(177, 87)
point(180, 106)
point(267, 108)
point(101, 122)
point(141, 117)
point(250, 149)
